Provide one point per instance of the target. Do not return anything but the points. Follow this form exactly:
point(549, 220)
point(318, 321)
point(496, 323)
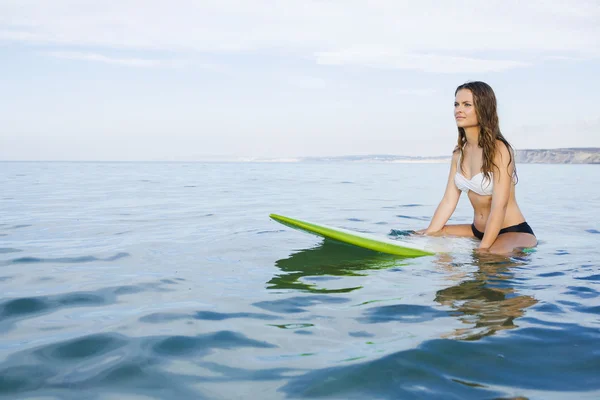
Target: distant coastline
point(584, 155)
point(575, 155)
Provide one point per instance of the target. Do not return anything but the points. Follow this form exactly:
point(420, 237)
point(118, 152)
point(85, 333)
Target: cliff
point(588, 155)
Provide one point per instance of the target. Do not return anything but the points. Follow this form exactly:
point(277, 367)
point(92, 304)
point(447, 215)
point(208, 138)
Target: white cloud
point(434, 36)
point(422, 62)
point(131, 62)
point(18, 35)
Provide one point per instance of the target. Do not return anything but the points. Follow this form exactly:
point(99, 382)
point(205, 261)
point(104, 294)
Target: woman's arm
point(500, 195)
point(448, 203)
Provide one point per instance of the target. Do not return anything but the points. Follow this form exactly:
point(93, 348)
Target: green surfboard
point(371, 242)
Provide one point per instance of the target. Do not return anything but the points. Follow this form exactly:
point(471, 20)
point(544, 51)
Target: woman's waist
point(512, 216)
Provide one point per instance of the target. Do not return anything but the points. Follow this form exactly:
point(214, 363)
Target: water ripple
point(67, 260)
point(9, 250)
point(203, 344)
point(582, 291)
point(594, 278)
point(203, 315)
point(20, 226)
point(12, 310)
point(292, 305)
point(434, 368)
point(114, 362)
point(422, 218)
point(401, 313)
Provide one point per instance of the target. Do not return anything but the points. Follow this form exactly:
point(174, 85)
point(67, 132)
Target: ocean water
point(169, 281)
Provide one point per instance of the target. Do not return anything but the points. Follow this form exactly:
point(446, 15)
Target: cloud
point(18, 36)
point(422, 62)
point(130, 62)
point(429, 35)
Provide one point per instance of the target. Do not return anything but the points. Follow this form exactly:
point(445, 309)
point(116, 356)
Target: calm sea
point(169, 281)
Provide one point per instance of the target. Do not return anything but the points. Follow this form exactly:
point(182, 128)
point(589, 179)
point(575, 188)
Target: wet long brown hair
point(485, 104)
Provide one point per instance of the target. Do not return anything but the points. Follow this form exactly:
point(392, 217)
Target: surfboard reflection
point(329, 259)
point(488, 302)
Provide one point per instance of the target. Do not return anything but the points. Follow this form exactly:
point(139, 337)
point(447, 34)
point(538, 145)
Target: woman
point(482, 166)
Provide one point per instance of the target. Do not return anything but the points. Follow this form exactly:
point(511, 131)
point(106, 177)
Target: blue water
point(169, 281)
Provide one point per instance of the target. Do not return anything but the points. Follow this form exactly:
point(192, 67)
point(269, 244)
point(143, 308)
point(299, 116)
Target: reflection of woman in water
point(483, 167)
point(488, 302)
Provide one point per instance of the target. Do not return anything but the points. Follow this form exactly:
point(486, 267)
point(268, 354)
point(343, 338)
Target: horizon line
point(230, 158)
point(282, 159)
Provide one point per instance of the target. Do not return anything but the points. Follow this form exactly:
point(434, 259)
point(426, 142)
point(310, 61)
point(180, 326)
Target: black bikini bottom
point(523, 227)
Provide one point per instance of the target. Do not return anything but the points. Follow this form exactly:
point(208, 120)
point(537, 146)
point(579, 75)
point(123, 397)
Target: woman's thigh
point(463, 230)
point(511, 241)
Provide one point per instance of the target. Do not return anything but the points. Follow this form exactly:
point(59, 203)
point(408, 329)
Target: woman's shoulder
point(503, 152)
point(456, 151)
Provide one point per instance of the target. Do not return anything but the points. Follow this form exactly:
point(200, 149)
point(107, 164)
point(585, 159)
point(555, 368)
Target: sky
point(232, 79)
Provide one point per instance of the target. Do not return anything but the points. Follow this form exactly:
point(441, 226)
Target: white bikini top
point(478, 183)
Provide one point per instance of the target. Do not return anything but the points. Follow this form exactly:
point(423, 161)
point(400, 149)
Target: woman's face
point(464, 109)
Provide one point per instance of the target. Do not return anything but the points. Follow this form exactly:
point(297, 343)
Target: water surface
point(168, 280)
